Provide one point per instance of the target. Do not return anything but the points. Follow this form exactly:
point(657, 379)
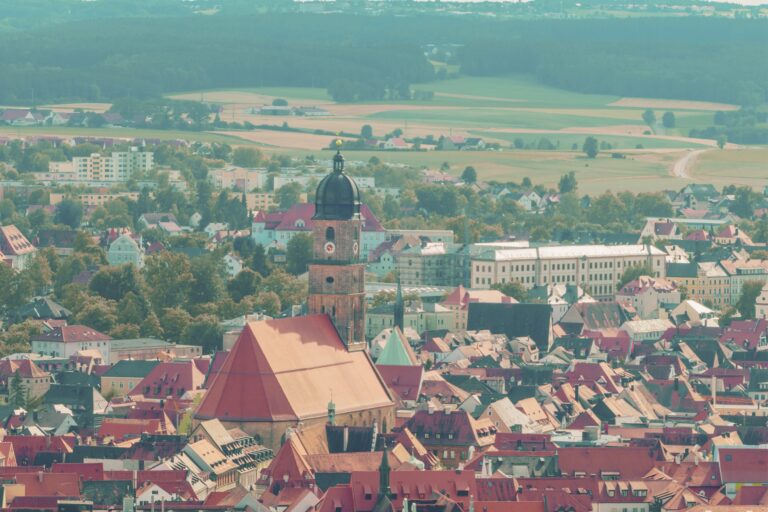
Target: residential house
point(659, 229)
point(233, 264)
point(65, 341)
point(15, 249)
point(34, 381)
point(452, 436)
point(171, 379)
point(648, 296)
point(277, 229)
point(122, 377)
point(126, 250)
point(458, 301)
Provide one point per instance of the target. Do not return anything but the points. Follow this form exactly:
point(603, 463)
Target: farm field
point(742, 167)
point(640, 171)
point(127, 133)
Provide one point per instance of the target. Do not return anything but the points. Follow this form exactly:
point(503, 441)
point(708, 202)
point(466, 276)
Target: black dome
point(337, 196)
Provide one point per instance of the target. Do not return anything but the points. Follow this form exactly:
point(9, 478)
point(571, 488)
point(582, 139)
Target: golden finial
point(339, 142)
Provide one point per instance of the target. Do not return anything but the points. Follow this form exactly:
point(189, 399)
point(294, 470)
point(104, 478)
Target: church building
point(290, 372)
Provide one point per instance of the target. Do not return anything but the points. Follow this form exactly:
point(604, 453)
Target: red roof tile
point(72, 334)
point(299, 218)
point(290, 369)
point(743, 465)
point(629, 462)
point(170, 379)
point(121, 429)
point(50, 484)
point(404, 381)
point(87, 471)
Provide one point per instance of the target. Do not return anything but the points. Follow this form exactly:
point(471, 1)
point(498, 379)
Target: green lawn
point(119, 133)
point(565, 141)
point(493, 117)
point(739, 167)
point(641, 172)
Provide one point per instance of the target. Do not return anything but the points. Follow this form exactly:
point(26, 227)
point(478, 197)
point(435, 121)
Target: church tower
point(336, 275)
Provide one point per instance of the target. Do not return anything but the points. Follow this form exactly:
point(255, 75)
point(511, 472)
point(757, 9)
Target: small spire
point(399, 306)
point(384, 470)
point(338, 159)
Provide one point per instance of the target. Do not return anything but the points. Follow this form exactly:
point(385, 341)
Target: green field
point(565, 141)
point(738, 167)
point(61, 131)
point(643, 171)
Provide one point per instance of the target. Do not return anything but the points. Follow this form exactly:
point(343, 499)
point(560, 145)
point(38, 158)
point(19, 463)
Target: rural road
point(681, 167)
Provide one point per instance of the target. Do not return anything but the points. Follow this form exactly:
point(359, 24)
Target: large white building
point(596, 268)
point(125, 250)
point(119, 166)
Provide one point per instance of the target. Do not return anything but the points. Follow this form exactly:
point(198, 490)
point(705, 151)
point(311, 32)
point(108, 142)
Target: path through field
point(680, 167)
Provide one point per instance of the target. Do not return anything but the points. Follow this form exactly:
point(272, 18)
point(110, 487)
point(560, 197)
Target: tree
point(173, 322)
point(288, 195)
point(512, 289)
point(207, 280)
point(722, 140)
point(633, 272)
point(98, 313)
point(649, 117)
point(150, 327)
point(204, 331)
point(246, 157)
point(469, 175)
point(568, 183)
point(69, 212)
point(590, 147)
point(268, 303)
point(366, 132)
point(298, 253)
point(168, 276)
point(132, 309)
point(115, 282)
point(16, 394)
point(668, 120)
point(749, 294)
point(243, 284)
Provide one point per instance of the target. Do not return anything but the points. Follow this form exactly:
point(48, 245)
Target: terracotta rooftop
point(13, 242)
point(72, 334)
point(289, 369)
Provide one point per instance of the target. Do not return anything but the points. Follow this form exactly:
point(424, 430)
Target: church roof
point(289, 369)
point(394, 352)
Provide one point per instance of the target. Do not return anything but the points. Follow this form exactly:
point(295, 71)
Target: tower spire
point(399, 306)
point(384, 470)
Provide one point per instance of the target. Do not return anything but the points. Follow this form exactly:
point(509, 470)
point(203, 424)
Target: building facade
point(596, 268)
point(119, 166)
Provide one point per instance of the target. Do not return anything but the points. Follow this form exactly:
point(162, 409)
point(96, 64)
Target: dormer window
point(299, 223)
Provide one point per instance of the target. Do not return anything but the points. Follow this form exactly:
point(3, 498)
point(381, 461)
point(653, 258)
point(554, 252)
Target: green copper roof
point(394, 352)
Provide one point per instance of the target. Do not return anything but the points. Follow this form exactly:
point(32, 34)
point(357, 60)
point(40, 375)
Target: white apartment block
point(595, 268)
point(119, 166)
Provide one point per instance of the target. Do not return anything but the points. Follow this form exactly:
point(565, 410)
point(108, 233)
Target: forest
point(697, 58)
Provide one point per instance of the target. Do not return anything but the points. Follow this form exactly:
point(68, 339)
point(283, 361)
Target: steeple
point(384, 470)
point(383, 502)
point(399, 307)
point(331, 411)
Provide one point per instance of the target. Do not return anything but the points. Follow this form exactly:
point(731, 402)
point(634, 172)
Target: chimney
point(713, 385)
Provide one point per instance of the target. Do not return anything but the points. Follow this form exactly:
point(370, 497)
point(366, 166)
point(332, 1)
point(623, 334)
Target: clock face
point(355, 247)
point(330, 248)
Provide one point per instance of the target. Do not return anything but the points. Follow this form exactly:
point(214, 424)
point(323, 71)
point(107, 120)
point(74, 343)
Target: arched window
point(330, 234)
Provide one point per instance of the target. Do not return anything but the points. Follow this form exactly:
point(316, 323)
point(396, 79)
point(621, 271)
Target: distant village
point(417, 371)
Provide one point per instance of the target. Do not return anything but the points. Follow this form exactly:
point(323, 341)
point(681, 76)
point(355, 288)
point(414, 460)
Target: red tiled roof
point(464, 429)
point(121, 429)
point(27, 369)
point(170, 379)
point(699, 235)
point(87, 471)
point(13, 242)
point(50, 484)
point(72, 334)
point(404, 381)
point(744, 465)
point(745, 333)
point(459, 485)
point(302, 214)
point(27, 447)
point(289, 369)
point(629, 462)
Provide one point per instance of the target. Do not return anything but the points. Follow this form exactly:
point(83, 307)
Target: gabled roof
point(395, 353)
point(404, 381)
point(131, 368)
point(26, 367)
point(630, 462)
point(289, 369)
point(42, 308)
point(743, 465)
point(50, 484)
point(13, 242)
point(170, 379)
point(299, 218)
point(72, 334)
